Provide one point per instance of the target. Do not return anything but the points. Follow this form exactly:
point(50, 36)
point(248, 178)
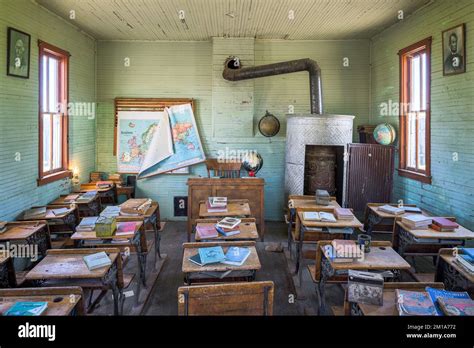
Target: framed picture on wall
point(454, 50)
point(18, 53)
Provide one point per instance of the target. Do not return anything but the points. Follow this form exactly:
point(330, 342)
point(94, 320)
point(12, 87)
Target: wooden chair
point(226, 170)
point(255, 298)
point(96, 176)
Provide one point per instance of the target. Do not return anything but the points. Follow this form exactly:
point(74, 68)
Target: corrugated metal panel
point(204, 19)
point(370, 175)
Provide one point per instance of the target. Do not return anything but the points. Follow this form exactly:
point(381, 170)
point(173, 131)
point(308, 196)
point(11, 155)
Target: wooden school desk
point(90, 207)
point(454, 277)
point(409, 242)
point(252, 189)
point(380, 258)
point(302, 226)
point(152, 218)
point(108, 195)
point(375, 217)
point(66, 267)
point(62, 301)
point(31, 232)
point(219, 272)
point(136, 239)
point(63, 223)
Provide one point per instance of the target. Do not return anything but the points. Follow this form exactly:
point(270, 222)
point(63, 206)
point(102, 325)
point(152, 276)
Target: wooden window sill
point(426, 179)
point(54, 177)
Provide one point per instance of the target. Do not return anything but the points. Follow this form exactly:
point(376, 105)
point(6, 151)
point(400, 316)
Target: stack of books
point(35, 213)
point(390, 209)
point(71, 198)
point(228, 226)
point(441, 224)
point(104, 184)
point(216, 205)
point(3, 226)
point(206, 232)
point(319, 216)
point(135, 206)
point(444, 299)
point(27, 308)
point(235, 256)
point(322, 197)
point(343, 251)
point(465, 259)
point(97, 260)
point(87, 224)
point(416, 221)
point(414, 303)
point(343, 214)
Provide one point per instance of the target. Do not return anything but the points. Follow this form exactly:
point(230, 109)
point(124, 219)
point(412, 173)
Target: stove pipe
point(233, 72)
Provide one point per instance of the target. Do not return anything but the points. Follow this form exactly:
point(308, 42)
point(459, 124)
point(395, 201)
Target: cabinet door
point(370, 175)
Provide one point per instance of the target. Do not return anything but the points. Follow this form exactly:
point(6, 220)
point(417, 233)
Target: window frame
point(46, 49)
point(404, 170)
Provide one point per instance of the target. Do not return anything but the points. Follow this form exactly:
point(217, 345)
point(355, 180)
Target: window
point(53, 118)
point(415, 85)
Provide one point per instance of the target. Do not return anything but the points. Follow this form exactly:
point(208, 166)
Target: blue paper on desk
point(211, 255)
point(27, 309)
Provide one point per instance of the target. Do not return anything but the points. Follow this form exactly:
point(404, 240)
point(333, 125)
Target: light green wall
point(193, 70)
point(19, 107)
point(452, 108)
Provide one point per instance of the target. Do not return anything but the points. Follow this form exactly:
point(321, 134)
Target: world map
point(187, 144)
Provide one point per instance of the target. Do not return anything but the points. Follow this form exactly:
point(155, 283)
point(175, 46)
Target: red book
point(444, 223)
point(206, 232)
point(125, 228)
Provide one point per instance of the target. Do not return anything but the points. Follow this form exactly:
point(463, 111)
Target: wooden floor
point(163, 299)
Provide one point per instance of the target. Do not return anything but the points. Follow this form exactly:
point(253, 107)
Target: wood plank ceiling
point(203, 19)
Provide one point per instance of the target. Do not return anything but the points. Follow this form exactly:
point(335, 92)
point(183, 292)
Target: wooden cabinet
point(370, 175)
point(252, 189)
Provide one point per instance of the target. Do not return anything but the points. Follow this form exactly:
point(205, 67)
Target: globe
point(384, 134)
point(252, 162)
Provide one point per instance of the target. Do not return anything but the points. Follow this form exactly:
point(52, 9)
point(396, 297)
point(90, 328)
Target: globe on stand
point(252, 163)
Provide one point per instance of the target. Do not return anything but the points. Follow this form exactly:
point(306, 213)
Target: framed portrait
point(18, 53)
point(454, 50)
